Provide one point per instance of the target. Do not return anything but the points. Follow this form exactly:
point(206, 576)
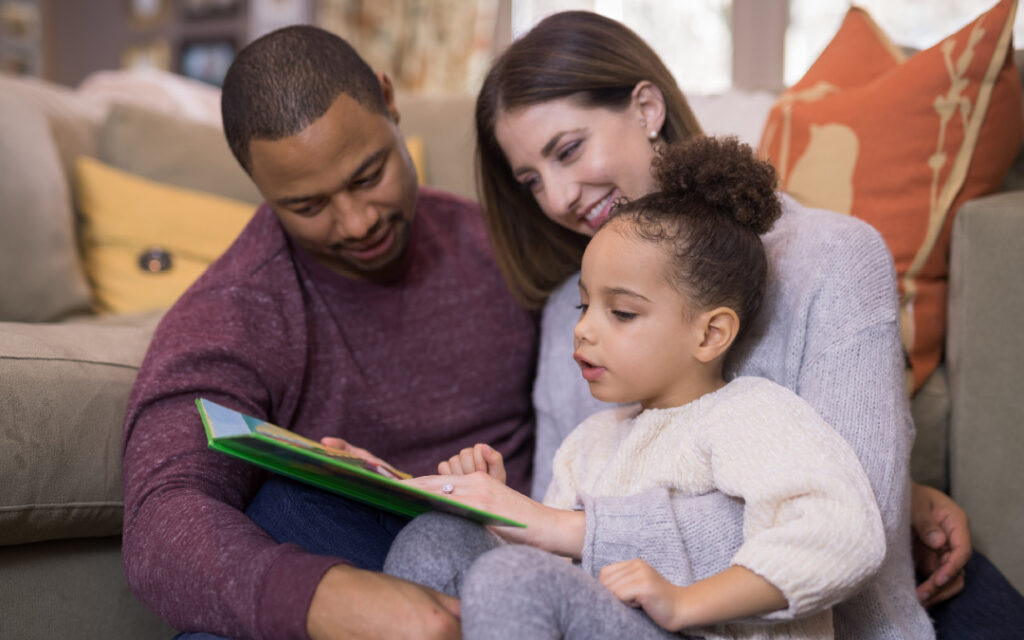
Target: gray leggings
point(511, 591)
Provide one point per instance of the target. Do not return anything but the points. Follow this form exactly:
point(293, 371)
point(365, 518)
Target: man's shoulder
point(256, 271)
point(436, 203)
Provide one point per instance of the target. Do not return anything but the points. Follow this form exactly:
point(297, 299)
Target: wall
point(82, 37)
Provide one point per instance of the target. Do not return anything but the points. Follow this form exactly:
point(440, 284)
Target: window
point(693, 38)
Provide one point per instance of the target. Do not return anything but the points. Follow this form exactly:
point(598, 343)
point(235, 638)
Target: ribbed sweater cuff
point(287, 592)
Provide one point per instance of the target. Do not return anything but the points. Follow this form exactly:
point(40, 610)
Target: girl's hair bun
point(725, 174)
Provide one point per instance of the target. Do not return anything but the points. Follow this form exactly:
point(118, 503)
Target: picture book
point(290, 454)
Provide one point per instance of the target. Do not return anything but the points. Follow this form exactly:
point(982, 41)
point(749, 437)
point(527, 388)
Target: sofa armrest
point(63, 394)
point(984, 357)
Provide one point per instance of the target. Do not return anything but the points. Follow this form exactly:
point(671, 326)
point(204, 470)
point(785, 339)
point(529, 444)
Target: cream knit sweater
point(811, 524)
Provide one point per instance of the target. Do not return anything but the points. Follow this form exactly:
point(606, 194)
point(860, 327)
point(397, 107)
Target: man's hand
point(637, 584)
point(353, 603)
point(942, 543)
point(480, 457)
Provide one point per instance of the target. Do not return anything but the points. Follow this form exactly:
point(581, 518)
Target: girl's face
point(637, 335)
point(576, 161)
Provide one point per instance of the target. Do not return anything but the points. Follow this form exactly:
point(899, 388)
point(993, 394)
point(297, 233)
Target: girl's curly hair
point(715, 200)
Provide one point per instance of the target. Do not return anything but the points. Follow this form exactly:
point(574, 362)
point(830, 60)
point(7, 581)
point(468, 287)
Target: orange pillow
point(902, 143)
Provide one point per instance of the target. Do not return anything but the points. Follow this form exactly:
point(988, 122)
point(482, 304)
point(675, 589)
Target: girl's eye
point(582, 308)
point(568, 150)
point(624, 316)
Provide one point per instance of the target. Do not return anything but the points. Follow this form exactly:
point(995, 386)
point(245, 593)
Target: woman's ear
point(650, 105)
point(720, 327)
point(388, 89)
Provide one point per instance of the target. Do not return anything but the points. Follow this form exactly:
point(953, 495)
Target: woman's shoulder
point(807, 233)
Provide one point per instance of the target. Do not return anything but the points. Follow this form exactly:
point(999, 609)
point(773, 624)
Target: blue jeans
point(321, 523)
point(989, 608)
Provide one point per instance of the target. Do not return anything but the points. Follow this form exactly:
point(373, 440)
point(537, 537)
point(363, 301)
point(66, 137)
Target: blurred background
point(445, 45)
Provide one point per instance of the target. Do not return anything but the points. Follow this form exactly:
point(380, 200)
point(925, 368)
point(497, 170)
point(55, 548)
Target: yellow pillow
point(418, 154)
point(144, 242)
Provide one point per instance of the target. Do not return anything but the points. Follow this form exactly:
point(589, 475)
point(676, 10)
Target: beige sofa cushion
point(180, 152)
point(66, 389)
point(42, 276)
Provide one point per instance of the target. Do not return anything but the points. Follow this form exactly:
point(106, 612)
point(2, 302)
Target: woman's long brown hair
point(595, 61)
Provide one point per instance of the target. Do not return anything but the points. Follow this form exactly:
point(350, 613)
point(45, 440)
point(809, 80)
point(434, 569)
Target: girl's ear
point(649, 103)
point(720, 327)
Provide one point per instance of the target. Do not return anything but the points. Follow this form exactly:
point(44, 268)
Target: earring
point(643, 123)
point(652, 134)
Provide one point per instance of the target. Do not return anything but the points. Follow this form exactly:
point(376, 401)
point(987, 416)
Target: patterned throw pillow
point(902, 143)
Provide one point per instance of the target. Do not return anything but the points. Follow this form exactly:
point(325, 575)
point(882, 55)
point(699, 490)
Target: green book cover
point(289, 454)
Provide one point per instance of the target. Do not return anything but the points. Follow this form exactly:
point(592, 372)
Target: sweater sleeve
point(811, 526)
point(190, 553)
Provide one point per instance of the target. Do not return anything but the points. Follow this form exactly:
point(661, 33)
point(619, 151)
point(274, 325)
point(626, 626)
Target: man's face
point(344, 188)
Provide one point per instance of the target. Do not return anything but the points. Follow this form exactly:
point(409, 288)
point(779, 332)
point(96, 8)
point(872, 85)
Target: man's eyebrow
point(621, 291)
point(370, 160)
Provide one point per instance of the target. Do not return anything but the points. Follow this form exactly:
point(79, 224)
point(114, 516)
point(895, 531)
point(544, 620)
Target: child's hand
point(359, 452)
point(480, 457)
point(637, 584)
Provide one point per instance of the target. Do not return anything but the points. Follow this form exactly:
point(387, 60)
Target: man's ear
point(719, 327)
point(388, 89)
point(650, 105)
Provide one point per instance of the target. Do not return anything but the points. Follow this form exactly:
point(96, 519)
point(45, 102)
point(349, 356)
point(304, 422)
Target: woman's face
point(576, 161)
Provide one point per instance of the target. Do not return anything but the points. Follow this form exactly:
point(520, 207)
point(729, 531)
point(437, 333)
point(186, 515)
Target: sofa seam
point(78, 360)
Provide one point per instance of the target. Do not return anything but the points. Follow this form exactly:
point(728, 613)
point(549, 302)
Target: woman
point(568, 120)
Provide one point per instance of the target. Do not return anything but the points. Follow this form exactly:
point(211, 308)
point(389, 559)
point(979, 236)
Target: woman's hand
point(479, 457)
point(942, 543)
point(554, 530)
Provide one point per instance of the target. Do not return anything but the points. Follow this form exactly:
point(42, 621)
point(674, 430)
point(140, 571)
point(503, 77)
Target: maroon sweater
point(412, 371)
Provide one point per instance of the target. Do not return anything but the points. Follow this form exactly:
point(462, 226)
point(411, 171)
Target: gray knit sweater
point(828, 330)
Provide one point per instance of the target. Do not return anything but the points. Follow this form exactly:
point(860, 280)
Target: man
point(351, 306)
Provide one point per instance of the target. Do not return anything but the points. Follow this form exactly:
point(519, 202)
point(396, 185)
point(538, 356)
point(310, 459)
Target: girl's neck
point(700, 386)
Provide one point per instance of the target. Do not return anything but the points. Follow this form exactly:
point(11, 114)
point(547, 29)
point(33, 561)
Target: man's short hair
point(284, 81)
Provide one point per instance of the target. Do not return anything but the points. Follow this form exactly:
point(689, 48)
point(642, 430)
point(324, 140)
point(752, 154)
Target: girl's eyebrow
point(620, 291)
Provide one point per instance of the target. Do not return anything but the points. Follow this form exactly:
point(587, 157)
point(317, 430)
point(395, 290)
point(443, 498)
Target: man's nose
point(354, 219)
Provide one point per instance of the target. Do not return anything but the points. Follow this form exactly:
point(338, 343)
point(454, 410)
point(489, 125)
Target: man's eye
point(371, 179)
point(625, 316)
point(307, 209)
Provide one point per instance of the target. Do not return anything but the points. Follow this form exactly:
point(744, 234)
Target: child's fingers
point(479, 460)
point(444, 469)
point(467, 462)
point(491, 455)
point(455, 464)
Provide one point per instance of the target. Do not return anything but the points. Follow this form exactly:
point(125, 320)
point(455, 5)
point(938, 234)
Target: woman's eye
point(625, 316)
point(568, 150)
point(582, 308)
point(531, 184)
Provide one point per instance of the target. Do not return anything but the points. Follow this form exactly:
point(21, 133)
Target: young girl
point(667, 285)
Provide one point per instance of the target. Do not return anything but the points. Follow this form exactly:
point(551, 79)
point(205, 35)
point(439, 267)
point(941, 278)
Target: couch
point(66, 370)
